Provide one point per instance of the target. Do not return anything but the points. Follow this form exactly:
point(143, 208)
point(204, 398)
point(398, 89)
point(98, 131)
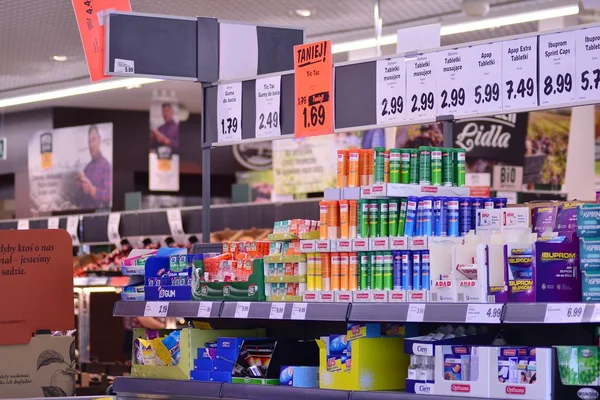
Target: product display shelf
point(125, 387)
point(180, 309)
point(540, 313)
point(393, 190)
point(292, 311)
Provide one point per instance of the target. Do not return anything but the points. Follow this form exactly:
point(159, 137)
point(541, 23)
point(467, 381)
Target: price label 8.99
point(557, 68)
point(229, 112)
point(588, 64)
point(519, 73)
point(421, 86)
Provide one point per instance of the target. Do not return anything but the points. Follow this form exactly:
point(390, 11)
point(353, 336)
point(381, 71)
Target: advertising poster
point(71, 168)
point(164, 143)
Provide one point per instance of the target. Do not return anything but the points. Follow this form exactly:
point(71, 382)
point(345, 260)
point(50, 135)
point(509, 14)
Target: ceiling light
point(75, 91)
point(451, 29)
point(302, 12)
point(60, 58)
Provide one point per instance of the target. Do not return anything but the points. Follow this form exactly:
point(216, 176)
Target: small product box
point(589, 253)
point(305, 377)
point(588, 220)
point(358, 330)
point(522, 373)
point(590, 285)
point(462, 371)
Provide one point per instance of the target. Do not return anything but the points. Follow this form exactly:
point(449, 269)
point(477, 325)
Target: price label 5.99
point(421, 86)
point(557, 68)
point(588, 64)
point(484, 83)
point(519, 73)
point(229, 112)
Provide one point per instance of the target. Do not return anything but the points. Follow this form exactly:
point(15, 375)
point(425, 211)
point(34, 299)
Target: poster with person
point(71, 168)
point(164, 143)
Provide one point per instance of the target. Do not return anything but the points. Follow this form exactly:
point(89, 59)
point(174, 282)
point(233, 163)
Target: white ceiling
point(32, 32)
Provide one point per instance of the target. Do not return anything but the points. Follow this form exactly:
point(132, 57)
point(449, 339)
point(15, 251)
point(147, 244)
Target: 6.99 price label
point(229, 112)
point(421, 86)
point(519, 73)
point(588, 64)
point(391, 90)
point(484, 83)
point(557, 68)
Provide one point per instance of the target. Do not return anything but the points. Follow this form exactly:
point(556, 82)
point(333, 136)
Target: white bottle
point(413, 368)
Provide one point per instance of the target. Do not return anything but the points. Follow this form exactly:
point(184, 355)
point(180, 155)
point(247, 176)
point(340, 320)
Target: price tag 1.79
point(421, 86)
point(298, 311)
point(557, 68)
point(277, 310)
point(156, 309)
point(205, 309)
point(564, 313)
point(242, 309)
point(229, 112)
point(268, 107)
point(416, 312)
point(588, 64)
point(484, 313)
point(519, 73)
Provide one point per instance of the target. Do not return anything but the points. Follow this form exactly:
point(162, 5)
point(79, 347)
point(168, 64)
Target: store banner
point(90, 21)
point(71, 168)
point(164, 143)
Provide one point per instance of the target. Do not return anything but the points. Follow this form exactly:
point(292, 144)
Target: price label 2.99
point(391, 90)
point(557, 68)
point(421, 78)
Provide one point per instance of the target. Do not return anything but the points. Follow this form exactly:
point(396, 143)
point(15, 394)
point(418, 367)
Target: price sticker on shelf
point(519, 73)
point(454, 73)
point(298, 311)
point(564, 312)
point(72, 227)
point(242, 309)
point(229, 112)
point(277, 310)
point(53, 222)
point(484, 313)
point(268, 107)
point(557, 68)
point(588, 64)
point(124, 66)
point(204, 309)
point(596, 314)
point(416, 312)
point(421, 87)
point(484, 85)
point(23, 224)
point(114, 219)
point(175, 222)
point(156, 309)
point(391, 90)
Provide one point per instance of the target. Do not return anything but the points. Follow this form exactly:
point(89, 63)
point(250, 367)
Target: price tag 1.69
point(564, 313)
point(416, 312)
point(229, 112)
point(519, 73)
point(156, 309)
point(242, 309)
point(277, 310)
point(298, 311)
point(557, 68)
point(421, 86)
point(484, 313)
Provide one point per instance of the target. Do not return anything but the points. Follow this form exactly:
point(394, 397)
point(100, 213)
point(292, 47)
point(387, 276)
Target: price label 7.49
point(519, 73)
point(557, 68)
point(229, 112)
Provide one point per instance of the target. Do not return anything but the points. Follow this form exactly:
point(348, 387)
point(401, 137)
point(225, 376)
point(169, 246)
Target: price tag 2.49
point(242, 309)
point(156, 309)
point(299, 311)
point(277, 310)
point(564, 312)
point(268, 105)
point(484, 313)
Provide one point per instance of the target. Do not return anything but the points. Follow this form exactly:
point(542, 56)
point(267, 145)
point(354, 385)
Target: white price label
point(53, 222)
point(277, 310)
point(23, 224)
point(596, 314)
point(156, 309)
point(519, 73)
point(242, 309)
point(298, 311)
point(485, 78)
point(484, 313)
point(557, 68)
point(72, 227)
point(112, 229)
point(268, 107)
point(421, 84)
point(453, 77)
point(416, 312)
point(229, 112)
point(588, 64)
point(511, 197)
point(507, 177)
point(391, 90)
point(175, 222)
point(564, 312)
point(204, 309)
point(124, 66)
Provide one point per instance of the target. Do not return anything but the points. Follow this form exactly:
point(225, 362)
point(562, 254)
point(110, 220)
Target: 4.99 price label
point(588, 64)
point(557, 68)
point(313, 83)
point(421, 86)
point(519, 73)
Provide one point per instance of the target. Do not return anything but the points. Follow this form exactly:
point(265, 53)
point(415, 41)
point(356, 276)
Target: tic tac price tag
point(484, 313)
point(557, 68)
point(156, 309)
point(416, 312)
point(454, 74)
point(391, 90)
point(421, 81)
point(564, 312)
point(229, 112)
point(175, 222)
point(53, 222)
point(277, 310)
point(268, 107)
point(299, 311)
point(72, 228)
point(485, 78)
point(113, 227)
point(124, 66)
point(519, 73)
point(241, 309)
point(204, 309)
point(588, 64)
point(23, 224)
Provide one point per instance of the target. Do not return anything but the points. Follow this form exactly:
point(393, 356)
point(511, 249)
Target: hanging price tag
point(416, 312)
point(557, 68)
point(277, 310)
point(588, 64)
point(452, 84)
point(112, 229)
point(519, 73)
point(564, 312)
point(391, 90)
point(485, 78)
point(72, 228)
point(229, 112)
point(242, 309)
point(23, 224)
point(175, 222)
point(53, 222)
point(421, 80)
point(204, 309)
point(484, 313)
point(156, 309)
point(268, 107)
point(299, 311)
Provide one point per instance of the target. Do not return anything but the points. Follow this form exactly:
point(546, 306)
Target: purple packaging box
point(518, 261)
point(556, 270)
point(544, 219)
point(566, 219)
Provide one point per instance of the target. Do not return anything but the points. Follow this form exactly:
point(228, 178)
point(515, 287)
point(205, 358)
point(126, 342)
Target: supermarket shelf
point(257, 392)
point(126, 387)
point(399, 312)
point(314, 311)
point(180, 309)
point(402, 396)
point(386, 312)
point(280, 258)
point(540, 313)
point(282, 237)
